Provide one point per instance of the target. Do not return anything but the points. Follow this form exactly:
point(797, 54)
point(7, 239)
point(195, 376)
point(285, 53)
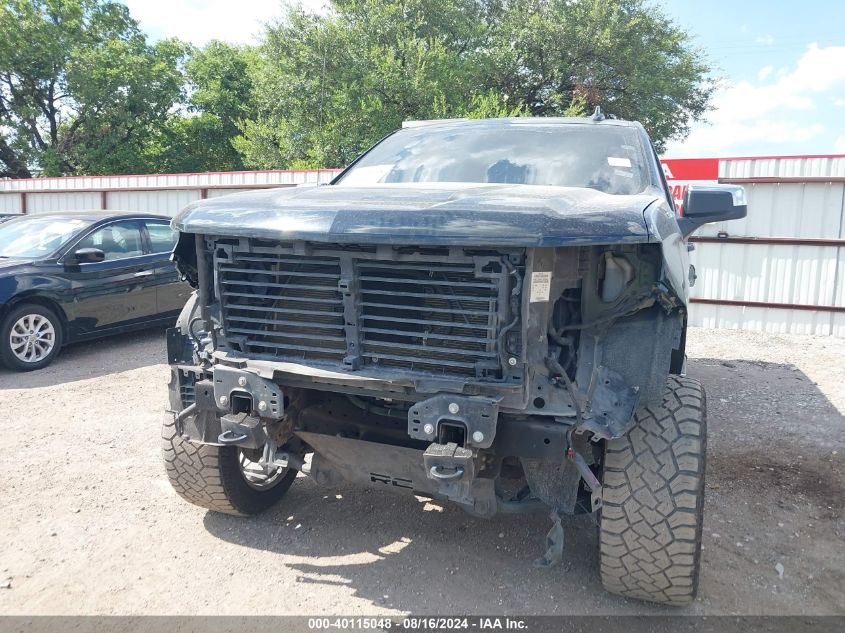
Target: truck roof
point(533, 120)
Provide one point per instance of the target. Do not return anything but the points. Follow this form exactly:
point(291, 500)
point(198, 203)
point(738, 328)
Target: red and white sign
point(681, 172)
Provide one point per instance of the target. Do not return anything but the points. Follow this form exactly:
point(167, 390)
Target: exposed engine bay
point(488, 377)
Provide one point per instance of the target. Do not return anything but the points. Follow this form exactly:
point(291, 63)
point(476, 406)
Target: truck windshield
point(607, 158)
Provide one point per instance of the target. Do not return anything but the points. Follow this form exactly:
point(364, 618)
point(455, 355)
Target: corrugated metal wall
point(155, 193)
point(789, 198)
point(61, 201)
point(214, 193)
point(245, 179)
point(783, 167)
point(809, 210)
point(10, 203)
point(167, 202)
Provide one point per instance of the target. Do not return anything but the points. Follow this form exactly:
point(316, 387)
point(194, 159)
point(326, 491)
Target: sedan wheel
point(31, 337)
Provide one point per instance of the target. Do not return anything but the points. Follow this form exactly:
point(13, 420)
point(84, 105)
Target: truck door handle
point(144, 273)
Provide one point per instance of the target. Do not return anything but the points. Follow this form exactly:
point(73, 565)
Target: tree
point(327, 86)
point(564, 57)
point(220, 100)
point(81, 90)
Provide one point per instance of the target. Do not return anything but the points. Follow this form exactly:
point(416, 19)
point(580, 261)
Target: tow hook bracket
point(242, 430)
point(266, 396)
point(477, 415)
point(452, 469)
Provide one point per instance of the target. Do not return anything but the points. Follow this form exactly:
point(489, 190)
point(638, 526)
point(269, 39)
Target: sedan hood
point(10, 264)
point(449, 213)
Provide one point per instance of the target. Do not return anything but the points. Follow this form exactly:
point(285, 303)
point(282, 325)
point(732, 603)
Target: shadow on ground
point(422, 557)
point(93, 359)
point(398, 552)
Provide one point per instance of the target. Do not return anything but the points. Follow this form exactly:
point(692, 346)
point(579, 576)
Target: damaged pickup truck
point(489, 312)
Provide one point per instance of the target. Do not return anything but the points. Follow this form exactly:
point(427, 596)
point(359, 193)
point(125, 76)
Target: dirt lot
point(90, 525)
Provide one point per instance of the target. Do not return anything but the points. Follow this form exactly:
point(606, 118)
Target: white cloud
point(723, 139)
point(750, 113)
point(765, 40)
point(783, 70)
point(817, 71)
point(198, 21)
point(764, 73)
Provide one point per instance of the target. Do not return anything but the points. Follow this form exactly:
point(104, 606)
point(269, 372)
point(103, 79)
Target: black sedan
point(66, 277)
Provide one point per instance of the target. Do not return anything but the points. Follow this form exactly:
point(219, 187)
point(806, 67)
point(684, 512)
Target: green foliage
point(82, 91)
point(564, 57)
point(220, 100)
point(80, 87)
point(492, 105)
point(328, 86)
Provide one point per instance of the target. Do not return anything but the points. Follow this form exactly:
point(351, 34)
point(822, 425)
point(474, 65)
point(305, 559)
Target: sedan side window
point(118, 240)
point(162, 237)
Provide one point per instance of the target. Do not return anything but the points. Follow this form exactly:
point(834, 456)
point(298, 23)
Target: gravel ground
point(90, 524)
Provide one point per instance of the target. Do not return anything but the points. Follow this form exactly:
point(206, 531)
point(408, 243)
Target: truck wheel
point(220, 478)
point(31, 337)
point(653, 500)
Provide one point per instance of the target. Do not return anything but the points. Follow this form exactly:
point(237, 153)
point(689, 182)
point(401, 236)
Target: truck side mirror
point(711, 203)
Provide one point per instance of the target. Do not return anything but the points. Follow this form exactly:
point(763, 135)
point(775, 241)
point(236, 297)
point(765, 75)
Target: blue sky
point(783, 70)
point(782, 65)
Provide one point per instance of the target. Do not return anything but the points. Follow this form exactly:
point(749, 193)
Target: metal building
point(782, 269)
point(154, 193)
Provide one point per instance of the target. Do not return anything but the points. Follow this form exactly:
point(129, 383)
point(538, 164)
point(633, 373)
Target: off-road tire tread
point(653, 500)
point(209, 476)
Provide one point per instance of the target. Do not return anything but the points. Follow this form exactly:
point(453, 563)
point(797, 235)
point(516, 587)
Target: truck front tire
point(213, 477)
point(653, 500)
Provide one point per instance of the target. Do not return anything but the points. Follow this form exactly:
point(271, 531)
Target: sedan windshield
point(608, 158)
point(32, 238)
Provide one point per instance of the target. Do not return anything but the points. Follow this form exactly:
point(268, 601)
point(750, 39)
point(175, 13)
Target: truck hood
point(449, 213)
